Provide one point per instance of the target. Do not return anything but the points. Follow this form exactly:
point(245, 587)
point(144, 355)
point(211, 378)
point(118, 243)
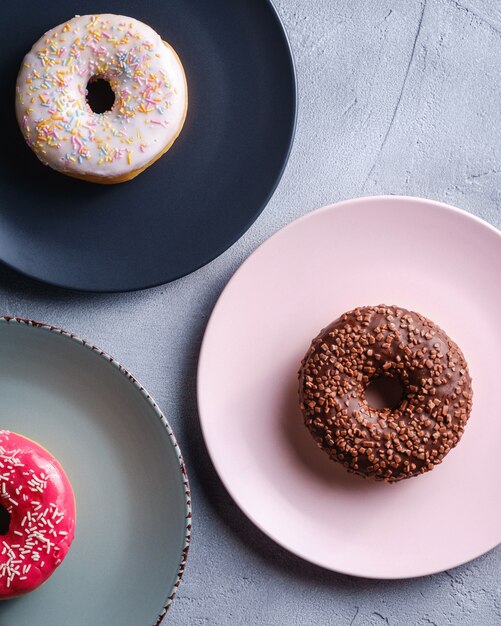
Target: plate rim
point(335, 206)
point(23, 321)
point(285, 160)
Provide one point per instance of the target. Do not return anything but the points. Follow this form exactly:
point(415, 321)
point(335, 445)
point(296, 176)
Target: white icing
point(150, 96)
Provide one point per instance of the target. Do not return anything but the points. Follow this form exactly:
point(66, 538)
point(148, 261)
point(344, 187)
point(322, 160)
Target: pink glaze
point(38, 495)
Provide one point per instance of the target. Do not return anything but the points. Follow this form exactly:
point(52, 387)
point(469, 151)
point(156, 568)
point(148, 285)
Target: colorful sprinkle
point(147, 113)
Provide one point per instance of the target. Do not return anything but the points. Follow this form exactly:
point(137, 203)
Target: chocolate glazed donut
point(392, 443)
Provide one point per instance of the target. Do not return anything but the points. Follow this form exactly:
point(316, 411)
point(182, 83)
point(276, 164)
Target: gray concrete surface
point(395, 97)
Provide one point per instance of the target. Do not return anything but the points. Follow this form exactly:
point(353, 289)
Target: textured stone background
point(395, 97)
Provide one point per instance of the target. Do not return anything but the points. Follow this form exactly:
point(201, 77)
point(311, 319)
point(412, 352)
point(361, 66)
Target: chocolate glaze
point(392, 443)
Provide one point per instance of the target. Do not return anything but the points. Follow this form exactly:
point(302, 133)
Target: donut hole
point(100, 96)
point(384, 392)
point(4, 520)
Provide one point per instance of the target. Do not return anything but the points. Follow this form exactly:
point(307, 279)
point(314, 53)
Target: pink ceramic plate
point(419, 254)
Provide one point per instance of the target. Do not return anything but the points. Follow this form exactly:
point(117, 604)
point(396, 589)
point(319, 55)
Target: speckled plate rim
point(336, 206)
point(8, 319)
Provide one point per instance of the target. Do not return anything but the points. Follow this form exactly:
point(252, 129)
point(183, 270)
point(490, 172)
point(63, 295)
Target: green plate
point(131, 488)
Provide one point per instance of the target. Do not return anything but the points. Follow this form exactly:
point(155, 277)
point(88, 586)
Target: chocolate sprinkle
point(393, 443)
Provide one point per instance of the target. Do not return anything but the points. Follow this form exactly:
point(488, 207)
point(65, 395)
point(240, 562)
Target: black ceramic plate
point(200, 197)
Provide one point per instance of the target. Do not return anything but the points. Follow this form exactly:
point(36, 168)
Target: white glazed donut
point(145, 75)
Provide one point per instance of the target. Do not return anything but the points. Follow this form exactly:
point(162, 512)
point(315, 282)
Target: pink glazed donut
point(39, 499)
